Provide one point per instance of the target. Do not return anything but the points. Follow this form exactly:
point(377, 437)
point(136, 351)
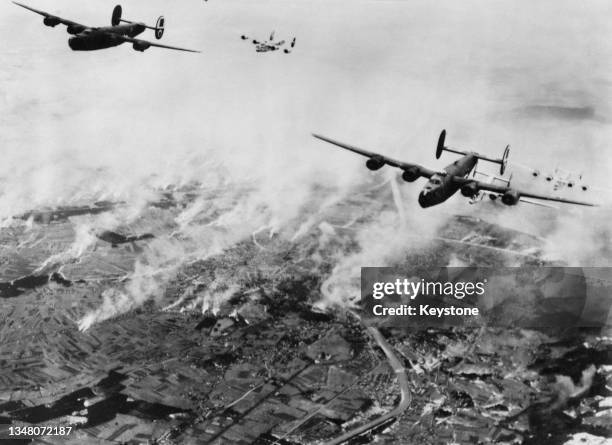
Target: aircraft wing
point(145, 44)
point(46, 14)
point(383, 159)
point(501, 189)
point(537, 203)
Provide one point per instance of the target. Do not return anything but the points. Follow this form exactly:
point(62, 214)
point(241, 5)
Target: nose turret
point(76, 44)
point(426, 198)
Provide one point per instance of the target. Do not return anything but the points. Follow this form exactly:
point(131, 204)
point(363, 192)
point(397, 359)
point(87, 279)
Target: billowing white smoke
point(217, 220)
point(84, 238)
point(113, 302)
point(581, 242)
point(385, 241)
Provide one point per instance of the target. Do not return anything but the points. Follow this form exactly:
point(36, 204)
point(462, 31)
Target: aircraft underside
point(93, 42)
point(436, 196)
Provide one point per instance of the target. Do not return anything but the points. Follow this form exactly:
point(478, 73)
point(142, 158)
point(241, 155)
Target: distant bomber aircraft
point(87, 38)
point(270, 44)
point(442, 185)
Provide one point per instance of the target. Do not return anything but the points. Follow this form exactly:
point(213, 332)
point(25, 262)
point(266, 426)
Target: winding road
point(402, 379)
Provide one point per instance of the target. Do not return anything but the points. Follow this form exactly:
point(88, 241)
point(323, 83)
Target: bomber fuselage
point(104, 37)
point(441, 186)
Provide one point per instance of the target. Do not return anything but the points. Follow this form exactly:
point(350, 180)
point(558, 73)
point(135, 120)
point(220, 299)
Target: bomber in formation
point(90, 38)
point(270, 44)
point(455, 177)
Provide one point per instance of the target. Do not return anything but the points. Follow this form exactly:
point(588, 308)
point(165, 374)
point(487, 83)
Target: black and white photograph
point(306, 222)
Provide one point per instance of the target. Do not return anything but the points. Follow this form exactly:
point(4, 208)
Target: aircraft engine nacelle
point(138, 46)
point(411, 174)
point(469, 190)
point(511, 197)
point(51, 21)
point(375, 163)
point(74, 29)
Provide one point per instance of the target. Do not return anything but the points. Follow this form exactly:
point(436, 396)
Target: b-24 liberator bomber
point(270, 44)
point(455, 177)
point(89, 38)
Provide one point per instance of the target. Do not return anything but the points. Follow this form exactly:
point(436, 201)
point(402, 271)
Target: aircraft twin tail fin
point(503, 161)
point(158, 28)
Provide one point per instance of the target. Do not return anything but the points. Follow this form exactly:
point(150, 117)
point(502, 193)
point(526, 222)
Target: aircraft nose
point(424, 200)
point(75, 43)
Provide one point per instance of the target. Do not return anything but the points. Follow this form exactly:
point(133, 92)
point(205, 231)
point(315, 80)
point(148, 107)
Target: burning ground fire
point(212, 225)
point(333, 230)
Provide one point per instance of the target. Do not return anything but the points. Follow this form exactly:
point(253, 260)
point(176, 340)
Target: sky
point(385, 75)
